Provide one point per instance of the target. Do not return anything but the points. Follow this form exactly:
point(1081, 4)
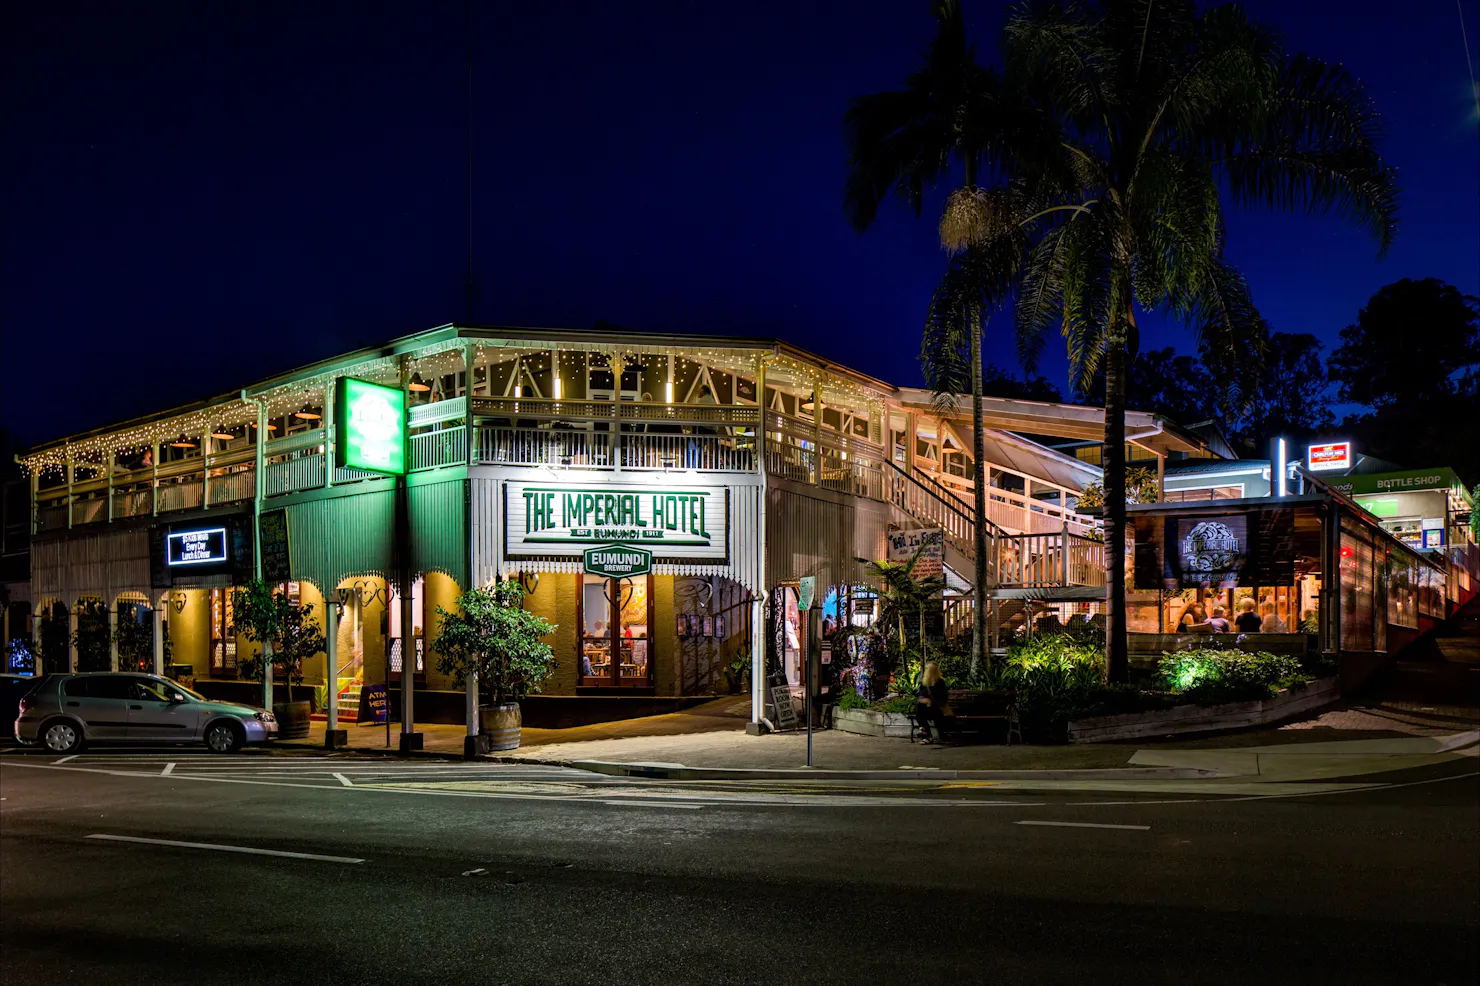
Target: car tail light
point(22, 707)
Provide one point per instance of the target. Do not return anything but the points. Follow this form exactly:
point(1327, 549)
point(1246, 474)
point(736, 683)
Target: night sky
point(198, 195)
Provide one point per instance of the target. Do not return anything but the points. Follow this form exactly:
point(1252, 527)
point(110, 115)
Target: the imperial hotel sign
point(689, 522)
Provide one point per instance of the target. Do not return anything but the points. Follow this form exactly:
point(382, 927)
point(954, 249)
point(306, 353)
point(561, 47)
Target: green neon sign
point(370, 424)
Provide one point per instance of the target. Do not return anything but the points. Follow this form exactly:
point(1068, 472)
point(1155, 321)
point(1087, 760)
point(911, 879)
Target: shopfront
point(650, 579)
point(1306, 575)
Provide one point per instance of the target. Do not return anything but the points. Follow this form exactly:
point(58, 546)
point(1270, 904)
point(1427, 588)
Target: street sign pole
point(814, 651)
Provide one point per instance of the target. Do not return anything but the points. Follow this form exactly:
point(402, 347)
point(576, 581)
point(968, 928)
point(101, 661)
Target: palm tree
point(1161, 110)
point(950, 110)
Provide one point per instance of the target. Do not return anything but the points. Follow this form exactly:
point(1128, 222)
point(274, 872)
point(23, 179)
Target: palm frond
point(1320, 149)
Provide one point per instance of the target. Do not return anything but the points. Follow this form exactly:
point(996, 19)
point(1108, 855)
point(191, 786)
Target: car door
point(160, 713)
point(101, 701)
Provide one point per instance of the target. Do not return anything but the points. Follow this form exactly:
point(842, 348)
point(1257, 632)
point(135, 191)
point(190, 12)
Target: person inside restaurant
point(1248, 621)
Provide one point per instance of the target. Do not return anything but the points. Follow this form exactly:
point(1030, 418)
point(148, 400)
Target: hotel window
point(616, 619)
point(223, 638)
point(1356, 592)
point(1216, 493)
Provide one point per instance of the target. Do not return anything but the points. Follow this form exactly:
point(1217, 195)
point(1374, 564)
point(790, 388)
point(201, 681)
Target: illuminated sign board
point(205, 546)
point(688, 522)
point(617, 561)
point(1332, 455)
point(370, 424)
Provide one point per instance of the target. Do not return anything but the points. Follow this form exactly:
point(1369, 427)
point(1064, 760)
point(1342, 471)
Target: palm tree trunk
point(979, 531)
point(1116, 656)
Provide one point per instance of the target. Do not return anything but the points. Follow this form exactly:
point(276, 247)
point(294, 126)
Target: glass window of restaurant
point(1357, 580)
point(616, 618)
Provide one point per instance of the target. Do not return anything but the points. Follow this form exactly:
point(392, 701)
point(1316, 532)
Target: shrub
point(1055, 677)
point(1211, 677)
point(852, 700)
point(899, 705)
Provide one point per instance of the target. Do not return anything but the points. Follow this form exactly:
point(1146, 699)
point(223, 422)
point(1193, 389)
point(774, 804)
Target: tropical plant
point(492, 636)
point(951, 111)
point(288, 634)
point(1159, 106)
point(901, 595)
point(55, 637)
point(1140, 487)
point(92, 636)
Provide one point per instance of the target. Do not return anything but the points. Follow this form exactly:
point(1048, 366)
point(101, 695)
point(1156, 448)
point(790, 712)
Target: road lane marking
point(652, 804)
point(65, 759)
point(1088, 825)
point(169, 769)
point(343, 780)
point(248, 850)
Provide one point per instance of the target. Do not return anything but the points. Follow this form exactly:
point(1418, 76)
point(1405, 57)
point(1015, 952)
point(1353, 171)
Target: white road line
point(1088, 825)
point(652, 804)
point(343, 780)
point(169, 769)
point(65, 759)
point(248, 850)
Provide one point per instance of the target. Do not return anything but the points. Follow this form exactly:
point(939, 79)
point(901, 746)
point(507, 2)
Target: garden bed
point(1183, 719)
point(867, 722)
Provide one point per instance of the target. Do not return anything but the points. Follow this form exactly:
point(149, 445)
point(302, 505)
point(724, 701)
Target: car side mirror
point(176, 698)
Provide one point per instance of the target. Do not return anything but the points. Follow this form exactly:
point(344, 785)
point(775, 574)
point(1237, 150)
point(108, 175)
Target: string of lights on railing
point(303, 400)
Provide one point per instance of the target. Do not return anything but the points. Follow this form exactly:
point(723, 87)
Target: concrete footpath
point(708, 742)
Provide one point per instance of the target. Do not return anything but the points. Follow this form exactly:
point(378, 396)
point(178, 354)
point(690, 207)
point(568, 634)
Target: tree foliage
point(493, 636)
point(289, 632)
point(1412, 359)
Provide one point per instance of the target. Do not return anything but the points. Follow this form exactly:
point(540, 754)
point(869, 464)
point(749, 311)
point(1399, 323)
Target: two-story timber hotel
point(740, 465)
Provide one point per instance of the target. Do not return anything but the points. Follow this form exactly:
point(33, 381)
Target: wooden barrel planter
point(499, 726)
point(293, 719)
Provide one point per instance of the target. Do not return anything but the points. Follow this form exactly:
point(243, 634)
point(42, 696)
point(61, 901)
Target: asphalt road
point(452, 873)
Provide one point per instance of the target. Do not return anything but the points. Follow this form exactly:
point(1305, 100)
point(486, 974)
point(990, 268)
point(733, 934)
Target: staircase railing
point(932, 509)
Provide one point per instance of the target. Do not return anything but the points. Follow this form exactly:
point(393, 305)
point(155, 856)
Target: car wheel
point(224, 737)
point(61, 736)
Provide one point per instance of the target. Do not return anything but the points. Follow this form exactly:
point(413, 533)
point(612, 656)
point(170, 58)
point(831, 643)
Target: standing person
point(1219, 622)
point(930, 701)
point(1248, 621)
point(1272, 622)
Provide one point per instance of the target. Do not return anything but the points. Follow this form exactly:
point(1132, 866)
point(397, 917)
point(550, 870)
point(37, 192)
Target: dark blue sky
point(196, 195)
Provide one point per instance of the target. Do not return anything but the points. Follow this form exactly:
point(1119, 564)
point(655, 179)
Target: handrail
point(949, 499)
point(292, 443)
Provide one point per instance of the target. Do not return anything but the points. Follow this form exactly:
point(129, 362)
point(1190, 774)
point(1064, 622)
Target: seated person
point(931, 702)
point(1191, 615)
point(1248, 621)
point(586, 668)
point(1219, 623)
point(1272, 622)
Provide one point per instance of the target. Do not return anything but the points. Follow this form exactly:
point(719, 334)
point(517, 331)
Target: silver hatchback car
point(64, 711)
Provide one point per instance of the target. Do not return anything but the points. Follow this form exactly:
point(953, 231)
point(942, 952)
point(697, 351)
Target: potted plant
point(491, 636)
point(288, 636)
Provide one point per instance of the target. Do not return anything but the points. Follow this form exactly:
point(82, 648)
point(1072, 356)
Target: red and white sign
point(1333, 455)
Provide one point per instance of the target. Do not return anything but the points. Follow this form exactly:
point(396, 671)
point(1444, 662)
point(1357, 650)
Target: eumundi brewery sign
point(690, 522)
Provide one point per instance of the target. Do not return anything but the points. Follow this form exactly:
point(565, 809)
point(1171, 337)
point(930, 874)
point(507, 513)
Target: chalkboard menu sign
point(277, 557)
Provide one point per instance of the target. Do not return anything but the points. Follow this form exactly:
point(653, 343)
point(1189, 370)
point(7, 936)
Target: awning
point(1150, 431)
